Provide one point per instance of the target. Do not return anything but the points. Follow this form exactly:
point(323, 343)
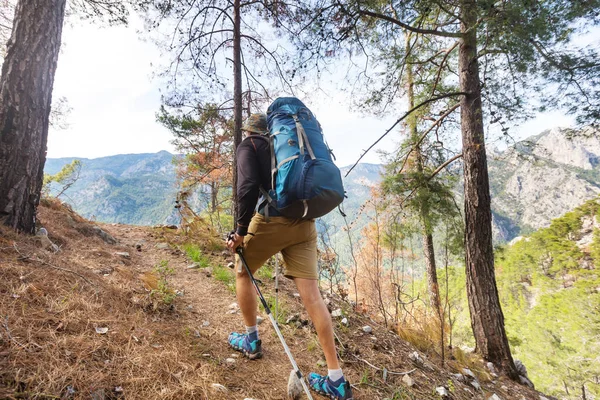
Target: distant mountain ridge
point(531, 183)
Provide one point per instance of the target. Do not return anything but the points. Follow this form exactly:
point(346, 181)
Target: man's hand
point(234, 241)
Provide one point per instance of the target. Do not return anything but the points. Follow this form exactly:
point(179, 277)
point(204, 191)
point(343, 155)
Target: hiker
point(296, 239)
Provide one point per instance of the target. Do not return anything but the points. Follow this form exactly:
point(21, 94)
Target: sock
point(335, 375)
point(252, 332)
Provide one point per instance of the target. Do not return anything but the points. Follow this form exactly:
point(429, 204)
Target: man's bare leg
point(246, 297)
point(319, 314)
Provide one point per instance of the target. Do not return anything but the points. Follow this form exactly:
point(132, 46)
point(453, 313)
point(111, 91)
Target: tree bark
point(237, 97)
point(25, 99)
point(487, 319)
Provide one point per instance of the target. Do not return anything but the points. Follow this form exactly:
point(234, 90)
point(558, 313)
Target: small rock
point(118, 389)
point(193, 266)
point(295, 389)
point(292, 318)
point(408, 381)
point(189, 307)
point(235, 355)
point(219, 387)
point(525, 381)
point(416, 358)
point(162, 246)
point(494, 397)
point(367, 329)
point(180, 292)
point(476, 384)
point(205, 324)
point(101, 330)
point(138, 246)
point(259, 320)
point(442, 391)
point(230, 361)
point(233, 306)
point(206, 355)
point(123, 254)
point(336, 313)
point(321, 363)
point(296, 295)
point(468, 372)
point(47, 244)
point(103, 235)
point(231, 265)
point(345, 321)
point(492, 368)
point(42, 232)
point(460, 378)
point(70, 391)
point(225, 253)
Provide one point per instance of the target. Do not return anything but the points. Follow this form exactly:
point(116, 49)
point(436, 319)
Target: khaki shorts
point(295, 238)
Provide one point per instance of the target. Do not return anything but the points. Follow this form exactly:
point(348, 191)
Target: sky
point(106, 74)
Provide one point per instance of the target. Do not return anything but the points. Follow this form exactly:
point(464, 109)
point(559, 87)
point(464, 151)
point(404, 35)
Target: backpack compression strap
point(302, 138)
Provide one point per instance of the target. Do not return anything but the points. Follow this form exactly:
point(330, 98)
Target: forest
point(448, 71)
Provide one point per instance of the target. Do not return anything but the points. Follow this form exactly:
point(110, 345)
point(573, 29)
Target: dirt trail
point(206, 301)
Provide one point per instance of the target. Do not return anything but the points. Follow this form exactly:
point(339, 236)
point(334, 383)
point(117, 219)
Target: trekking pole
point(276, 286)
point(239, 251)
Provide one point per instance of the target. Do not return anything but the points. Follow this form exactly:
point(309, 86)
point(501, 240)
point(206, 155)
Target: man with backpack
point(264, 234)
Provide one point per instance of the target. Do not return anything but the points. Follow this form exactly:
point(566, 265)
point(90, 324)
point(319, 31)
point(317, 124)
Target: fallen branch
point(382, 369)
point(7, 329)
point(47, 264)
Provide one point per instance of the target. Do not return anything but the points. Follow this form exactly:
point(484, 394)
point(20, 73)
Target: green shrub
point(164, 293)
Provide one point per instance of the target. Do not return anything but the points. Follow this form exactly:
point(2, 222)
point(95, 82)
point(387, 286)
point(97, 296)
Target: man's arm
point(248, 184)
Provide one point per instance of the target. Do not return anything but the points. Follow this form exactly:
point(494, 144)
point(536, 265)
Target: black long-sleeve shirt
point(254, 170)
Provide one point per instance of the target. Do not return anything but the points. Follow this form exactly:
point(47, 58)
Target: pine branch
point(430, 100)
point(408, 27)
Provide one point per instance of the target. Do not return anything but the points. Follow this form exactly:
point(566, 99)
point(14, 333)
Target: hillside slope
point(83, 323)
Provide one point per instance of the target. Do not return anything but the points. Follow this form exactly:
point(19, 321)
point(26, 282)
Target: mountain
point(531, 183)
point(542, 178)
point(138, 189)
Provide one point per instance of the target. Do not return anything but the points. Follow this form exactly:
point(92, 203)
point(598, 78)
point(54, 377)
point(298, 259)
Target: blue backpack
point(305, 182)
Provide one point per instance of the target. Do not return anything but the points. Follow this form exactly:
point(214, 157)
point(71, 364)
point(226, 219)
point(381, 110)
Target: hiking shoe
point(339, 390)
point(241, 342)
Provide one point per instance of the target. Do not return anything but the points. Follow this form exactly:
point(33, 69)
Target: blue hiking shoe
point(242, 343)
point(339, 390)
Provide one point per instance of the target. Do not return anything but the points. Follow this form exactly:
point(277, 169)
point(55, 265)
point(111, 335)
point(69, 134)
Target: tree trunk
point(487, 319)
point(416, 163)
point(214, 194)
point(434, 289)
point(25, 100)
point(237, 98)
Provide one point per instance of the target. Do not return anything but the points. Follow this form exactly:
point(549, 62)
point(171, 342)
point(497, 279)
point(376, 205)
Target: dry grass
point(49, 346)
